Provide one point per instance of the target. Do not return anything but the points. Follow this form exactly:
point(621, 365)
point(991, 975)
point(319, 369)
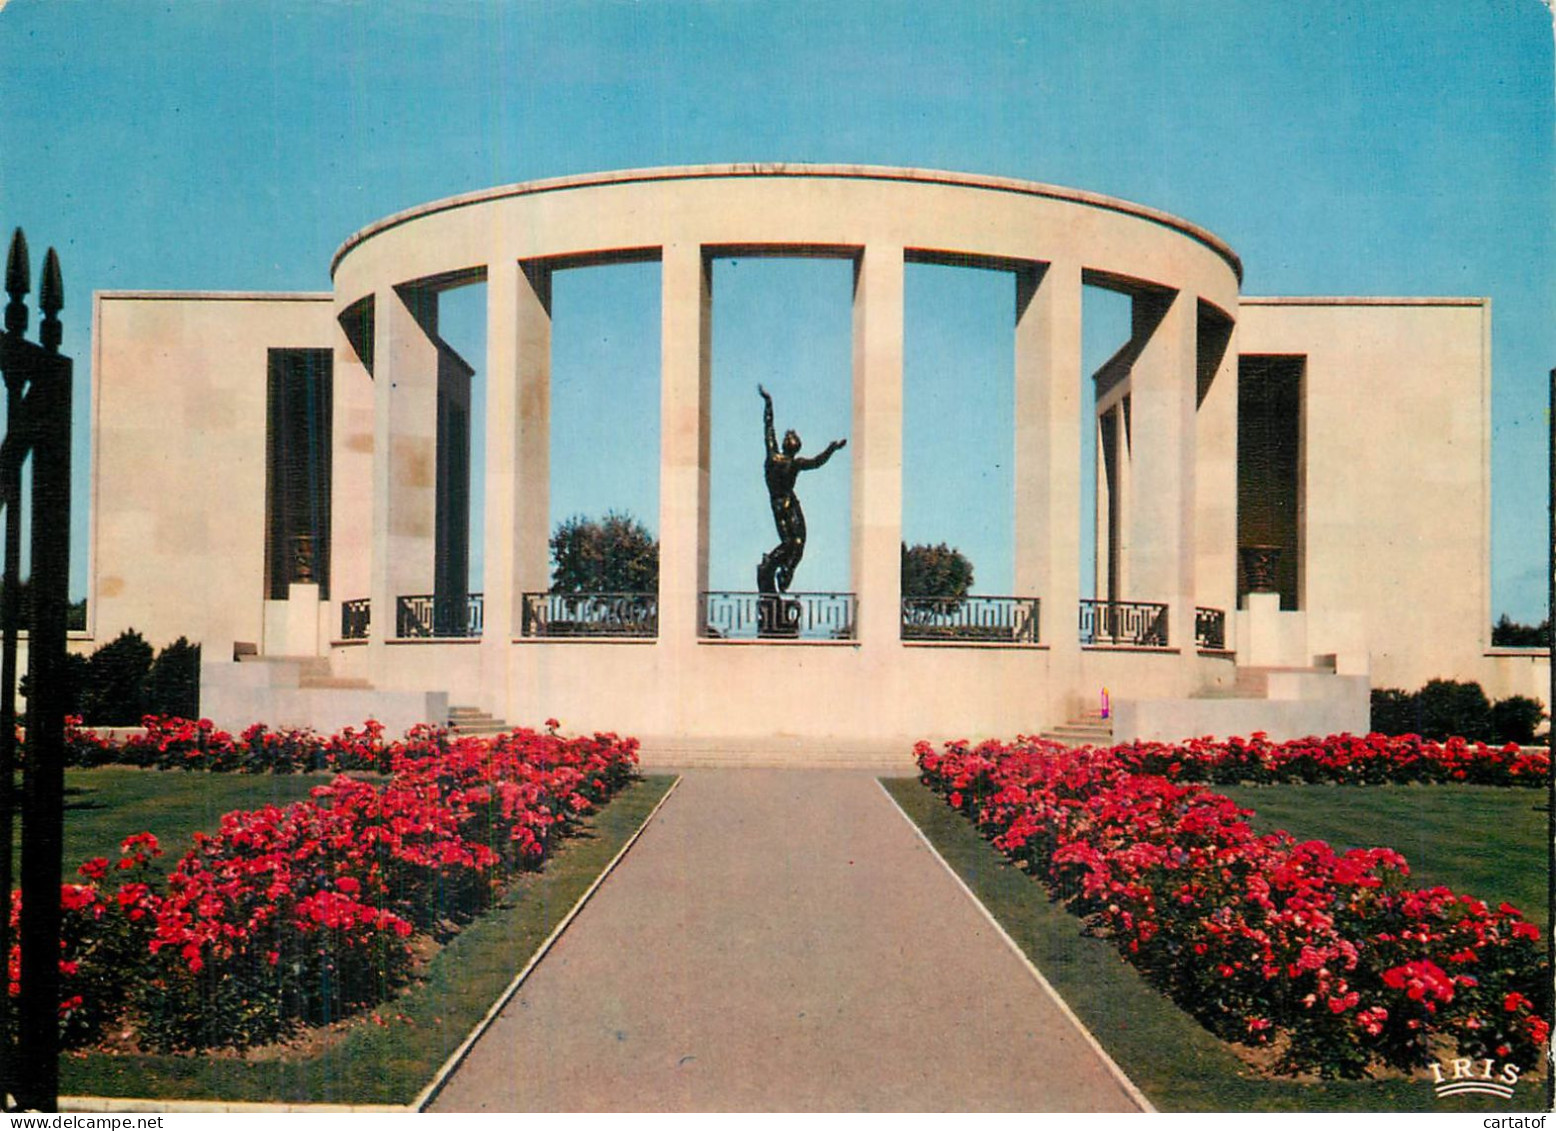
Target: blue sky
point(1400, 147)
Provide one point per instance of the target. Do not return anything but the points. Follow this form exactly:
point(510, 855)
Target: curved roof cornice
point(783, 169)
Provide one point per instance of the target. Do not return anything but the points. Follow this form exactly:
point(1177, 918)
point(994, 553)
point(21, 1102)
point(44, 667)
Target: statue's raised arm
point(767, 420)
point(808, 463)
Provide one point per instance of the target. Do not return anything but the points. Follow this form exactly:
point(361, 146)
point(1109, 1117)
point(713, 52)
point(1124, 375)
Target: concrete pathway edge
point(109, 1104)
point(429, 1093)
point(1114, 1070)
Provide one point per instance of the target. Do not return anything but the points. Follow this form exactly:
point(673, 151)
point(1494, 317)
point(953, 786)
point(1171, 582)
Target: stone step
point(680, 752)
point(1066, 737)
point(334, 683)
point(473, 720)
point(1087, 729)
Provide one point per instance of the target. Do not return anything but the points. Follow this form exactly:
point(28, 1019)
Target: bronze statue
point(781, 469)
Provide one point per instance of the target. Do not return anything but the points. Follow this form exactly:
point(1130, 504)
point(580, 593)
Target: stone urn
point(1259, 564)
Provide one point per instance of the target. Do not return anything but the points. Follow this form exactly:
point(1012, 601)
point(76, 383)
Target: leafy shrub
point(1445, 709)
point(1394, 711)
point(116, 676)
point(1516, 718)
point(173, 684)
point(1450, 708)
point(126, 679)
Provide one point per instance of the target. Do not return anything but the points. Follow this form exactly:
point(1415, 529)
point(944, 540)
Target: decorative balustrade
point(356, 617)
point(778, 616)
point(591, 614)
point(426, 615)
point(1128, 624)
point(1004, 620)
point(1210, 629)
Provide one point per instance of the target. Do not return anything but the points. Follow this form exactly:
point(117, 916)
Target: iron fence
point(356, 617)
point(778, 616)
point(428, 615)
point(1129, 624)
point(591, 614)
point(1210, 629)
point(1011, 620)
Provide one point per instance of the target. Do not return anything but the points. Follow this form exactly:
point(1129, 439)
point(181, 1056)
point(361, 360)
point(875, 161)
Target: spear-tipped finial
point(18, 267)
point(17, 284)
point(51, 299)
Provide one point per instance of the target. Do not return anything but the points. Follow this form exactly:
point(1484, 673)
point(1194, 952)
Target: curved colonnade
point(1165, 405)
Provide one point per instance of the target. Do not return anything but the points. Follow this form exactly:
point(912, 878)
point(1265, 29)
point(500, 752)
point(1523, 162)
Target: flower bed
point(1328, 958)
point(1344, 759)
point(302, 914)
point(168, 743)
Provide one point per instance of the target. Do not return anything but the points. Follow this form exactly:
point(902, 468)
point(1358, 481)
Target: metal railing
point(1006, 620)
point(356, 617)
point(425, 615)
point(1128, 624)
point(591, 614)
point(1210, 629)
point(778, 616)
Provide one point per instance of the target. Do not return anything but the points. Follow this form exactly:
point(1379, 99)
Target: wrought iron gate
point(37, 428)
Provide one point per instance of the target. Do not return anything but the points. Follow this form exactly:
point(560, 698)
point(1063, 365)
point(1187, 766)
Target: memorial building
point(1292, 493)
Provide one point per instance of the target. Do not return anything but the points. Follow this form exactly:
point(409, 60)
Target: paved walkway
point(781, 940)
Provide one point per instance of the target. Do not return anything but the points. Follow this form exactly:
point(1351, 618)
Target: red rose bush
point(1346, 759)
point(1331, 957)
point(301, 914)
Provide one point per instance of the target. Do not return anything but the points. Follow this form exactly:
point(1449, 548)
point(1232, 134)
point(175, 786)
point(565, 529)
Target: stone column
point(518, 462)
point(531, 531)
point(1163, 496)
point(876, 445)
point(684, 405)
point(1112, 473)
point(405, 414)
point(1216, 478)
point(1047, 480)
point(351, 471)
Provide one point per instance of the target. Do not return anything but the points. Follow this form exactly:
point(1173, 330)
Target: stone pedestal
point(292, 625)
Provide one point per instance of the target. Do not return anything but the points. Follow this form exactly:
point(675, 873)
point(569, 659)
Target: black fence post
point(38, 427)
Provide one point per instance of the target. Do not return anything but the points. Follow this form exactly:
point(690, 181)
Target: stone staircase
point(313, 672)
point(1284, 702)
point(473, 720)
point(302, 691)
point(1090, 729)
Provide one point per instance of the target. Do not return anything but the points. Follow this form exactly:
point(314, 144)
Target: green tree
point(615, 554)
point(1508, 633)
point(935, 572)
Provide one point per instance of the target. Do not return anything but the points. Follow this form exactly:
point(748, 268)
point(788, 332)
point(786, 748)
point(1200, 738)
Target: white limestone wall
point(1395, 476)
point(178, 459)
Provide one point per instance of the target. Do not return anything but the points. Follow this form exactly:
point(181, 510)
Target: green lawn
point(1478, 839)
point(104, 806)
point(363, 1061)
point(1174, 1060)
